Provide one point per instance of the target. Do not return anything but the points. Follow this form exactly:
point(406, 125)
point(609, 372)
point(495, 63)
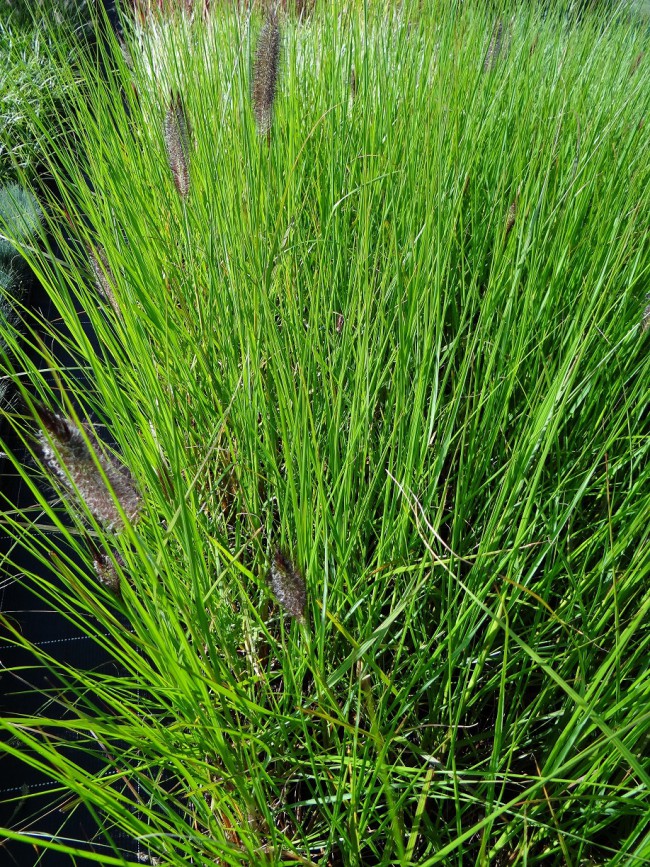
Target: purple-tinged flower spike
point(288, 585)
point(107, 568)
point(73, 457)
point(495, 47)
point(177, 143)
point(265, 74)
point(107, 574)
point(511, 217)
point(104, 278)
point(353, 83)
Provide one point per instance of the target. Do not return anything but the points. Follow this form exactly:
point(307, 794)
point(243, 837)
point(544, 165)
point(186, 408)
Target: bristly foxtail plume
point(177, 144)
point(265, 73)
point(494, 48)
point(73, 457)
point(107, 574)
point(106, 569)
point(104, 278)
point(512, 214)
point(288, 585)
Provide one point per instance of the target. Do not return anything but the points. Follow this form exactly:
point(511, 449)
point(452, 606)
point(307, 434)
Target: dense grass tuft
point(404, 343)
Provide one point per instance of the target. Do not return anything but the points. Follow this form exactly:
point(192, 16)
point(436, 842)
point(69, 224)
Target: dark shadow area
point(22, 807)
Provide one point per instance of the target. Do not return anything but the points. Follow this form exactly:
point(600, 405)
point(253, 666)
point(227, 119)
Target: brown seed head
point(288, 585)
point(73, 457)
point(106, 572)
point(265, 74)
point(177, 143)
point(353, 83)
point(104, 277)
point(494, 48)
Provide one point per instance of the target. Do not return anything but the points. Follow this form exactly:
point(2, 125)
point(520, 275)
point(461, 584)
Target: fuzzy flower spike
point(265, 74)
point(104, 278)
point(177, 144)
point(105, 568)
point(74, 457)
point(288, 585)
point(495, 47)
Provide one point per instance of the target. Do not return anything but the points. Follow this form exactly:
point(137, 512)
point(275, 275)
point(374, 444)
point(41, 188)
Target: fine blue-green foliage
point(30, 89)
point(20, 218)
point(369, 544)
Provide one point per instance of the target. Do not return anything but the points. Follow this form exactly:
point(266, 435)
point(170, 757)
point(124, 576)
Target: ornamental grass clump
point(336, 353)
point(77, 458)
point(265, 74)
point(177, 144)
